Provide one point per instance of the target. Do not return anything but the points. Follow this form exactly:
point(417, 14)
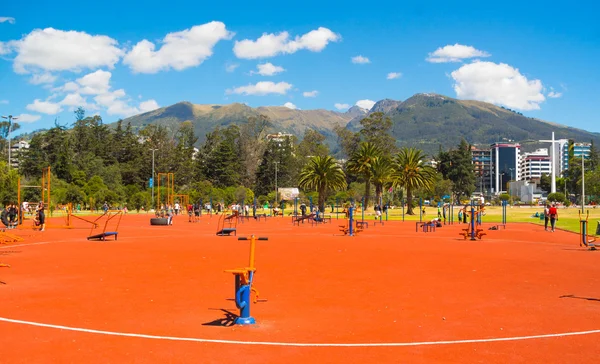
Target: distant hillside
point(206, 118)
point(429, 120)
point(424, 120)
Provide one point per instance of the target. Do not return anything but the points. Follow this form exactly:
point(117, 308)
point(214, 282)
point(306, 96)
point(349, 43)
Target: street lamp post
point(152, 176)
point(276, 190)
point(10, 119)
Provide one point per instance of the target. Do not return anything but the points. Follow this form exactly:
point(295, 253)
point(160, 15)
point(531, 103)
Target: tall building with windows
point(579, 149)
point(17, 151)
point(505, 159)
point(534, 165)
point(482, 165)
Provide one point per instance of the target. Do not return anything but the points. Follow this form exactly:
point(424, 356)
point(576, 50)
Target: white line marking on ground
point(272, 343)
point(28, 244)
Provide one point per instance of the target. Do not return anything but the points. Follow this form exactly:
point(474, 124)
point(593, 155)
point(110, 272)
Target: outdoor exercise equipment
point(70, 218)
point(244, 279)
point(349, 229)
point(6, 238)
point(6, 220)
point(170, 186)
point(301, 218)
point(227, 224)
point(159, 221)
point(583, 233)
point(427, 226)
point(109, 215)
point(45, 192)
point(471, 230)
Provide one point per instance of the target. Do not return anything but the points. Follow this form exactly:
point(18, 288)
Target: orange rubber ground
point(390, 295)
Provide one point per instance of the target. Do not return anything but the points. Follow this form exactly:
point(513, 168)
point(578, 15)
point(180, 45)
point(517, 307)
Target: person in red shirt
point(553, 212)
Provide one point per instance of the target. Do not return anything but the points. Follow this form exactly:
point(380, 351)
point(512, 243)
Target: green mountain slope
point(206, 118)
point(424, 120)
point(429, 120)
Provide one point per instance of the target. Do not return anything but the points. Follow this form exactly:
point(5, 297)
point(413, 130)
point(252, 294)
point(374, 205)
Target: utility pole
point(10, 119)
point(582, 183)
point(276, 190)
point(152, 176)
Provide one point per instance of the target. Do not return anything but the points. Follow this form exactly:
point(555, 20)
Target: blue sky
point(118, 58)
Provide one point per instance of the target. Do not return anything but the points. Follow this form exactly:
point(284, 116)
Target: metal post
point(276, 163)
point(582, 183)
point(10, 119)
point(472, 221)
point(362, 204)
point(351, 221)
point(402, 210)
point(153, 178)
point(420, 209)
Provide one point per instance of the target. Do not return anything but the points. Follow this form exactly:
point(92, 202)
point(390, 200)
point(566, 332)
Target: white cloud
point(289, 105)
point(360, 60)
point(4, 48)
point(262, 88)
point(75, 100)
point(554, 94)
point(230, 67)
point(148, 105)
point(56, 50)
point(94, 83)
point(342, 106)
point(269, 45)
point(28, 118)
point(179, 50)
point(41, 78)
point(394, 75)
point(365, 104)
point(268, 69)
point(499, 84)
point(7, 19)
point(4, 102)
point(97, 84)
point(310, 93)
point(455, 53)
point(44, 107)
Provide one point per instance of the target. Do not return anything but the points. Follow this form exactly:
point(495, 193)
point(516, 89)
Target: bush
point(556, 197)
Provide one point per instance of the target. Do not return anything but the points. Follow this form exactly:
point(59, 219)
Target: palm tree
point(361, 164)
point(322, 174)
point(411, 174)
point(382, 171)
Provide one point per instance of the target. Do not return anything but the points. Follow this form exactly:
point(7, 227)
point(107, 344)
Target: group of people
point(10, 217)
point(550, 216)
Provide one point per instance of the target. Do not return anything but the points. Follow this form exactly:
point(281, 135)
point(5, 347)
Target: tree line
point(93, 162)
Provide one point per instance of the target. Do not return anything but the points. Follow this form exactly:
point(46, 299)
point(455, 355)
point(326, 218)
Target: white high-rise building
point(535, 164)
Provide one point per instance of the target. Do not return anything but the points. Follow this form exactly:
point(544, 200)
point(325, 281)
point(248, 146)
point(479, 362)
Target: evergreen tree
point(462, 173)
point(376, 129)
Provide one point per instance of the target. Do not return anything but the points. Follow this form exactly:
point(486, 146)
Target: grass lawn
point(568, 218)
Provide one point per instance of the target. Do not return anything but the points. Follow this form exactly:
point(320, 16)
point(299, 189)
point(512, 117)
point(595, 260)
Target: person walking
point(546, 216)
point(553, 211)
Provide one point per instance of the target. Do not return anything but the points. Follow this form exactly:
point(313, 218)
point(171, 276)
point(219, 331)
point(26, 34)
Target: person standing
point(546, 216)
point(41, 216)
point(553, 211)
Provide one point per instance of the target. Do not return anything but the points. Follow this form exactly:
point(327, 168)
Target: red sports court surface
point(389, 295)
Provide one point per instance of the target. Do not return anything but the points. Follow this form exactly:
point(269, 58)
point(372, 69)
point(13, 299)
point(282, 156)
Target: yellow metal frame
point(170, 188)
point(45, 187)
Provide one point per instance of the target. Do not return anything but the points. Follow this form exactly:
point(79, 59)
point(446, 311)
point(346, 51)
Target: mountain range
point(424, 120)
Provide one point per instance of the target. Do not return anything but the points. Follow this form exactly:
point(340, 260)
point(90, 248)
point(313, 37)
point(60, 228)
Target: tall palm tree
point(411, 173)
point(322, 174)
point(382, 172)
point(361, 164)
